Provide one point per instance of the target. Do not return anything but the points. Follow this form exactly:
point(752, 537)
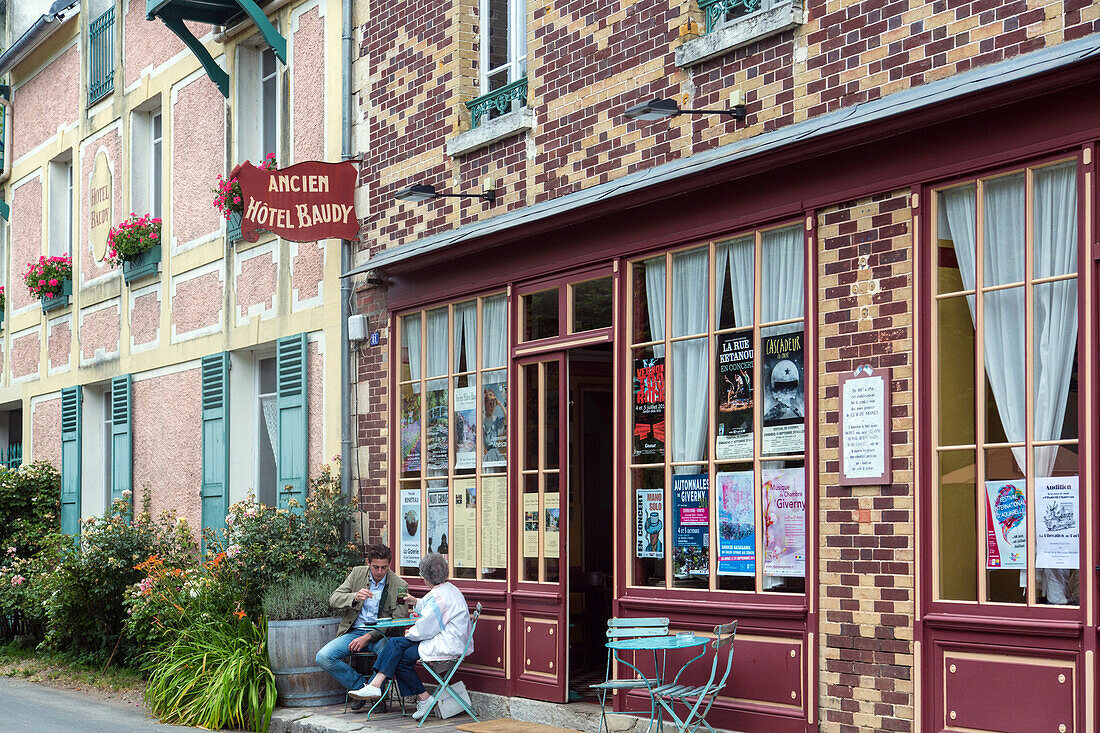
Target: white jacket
point(443, 625)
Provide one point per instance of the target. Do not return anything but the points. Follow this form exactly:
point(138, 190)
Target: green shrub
point(29, 506)
point(299, 597)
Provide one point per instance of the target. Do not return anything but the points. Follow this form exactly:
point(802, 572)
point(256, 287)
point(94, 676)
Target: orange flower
point(240, 614)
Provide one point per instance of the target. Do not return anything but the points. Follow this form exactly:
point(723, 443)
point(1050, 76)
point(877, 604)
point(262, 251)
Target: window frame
point(249, 115)
point(516, 65)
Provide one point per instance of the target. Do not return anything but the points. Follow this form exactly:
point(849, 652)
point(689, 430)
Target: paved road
point(29, 708)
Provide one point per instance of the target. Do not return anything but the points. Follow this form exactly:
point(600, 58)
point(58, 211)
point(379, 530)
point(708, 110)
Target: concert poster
point(649, 410)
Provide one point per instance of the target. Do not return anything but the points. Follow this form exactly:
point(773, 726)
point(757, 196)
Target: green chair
point(699, 698)
point(443, 671)
point(630, 628)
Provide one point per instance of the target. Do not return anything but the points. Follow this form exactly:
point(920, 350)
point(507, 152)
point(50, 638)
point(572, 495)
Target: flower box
point(143, 265)
point(233, 227)
point(60, 300)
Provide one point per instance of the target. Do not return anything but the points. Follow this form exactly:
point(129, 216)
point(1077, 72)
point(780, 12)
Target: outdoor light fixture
point(424, 192)
point(659, 109)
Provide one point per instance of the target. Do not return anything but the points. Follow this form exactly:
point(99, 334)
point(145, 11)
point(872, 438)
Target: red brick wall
point(372, 436)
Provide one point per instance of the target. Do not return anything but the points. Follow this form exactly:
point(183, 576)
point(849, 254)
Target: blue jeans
point(398, 662)
point(332, 658)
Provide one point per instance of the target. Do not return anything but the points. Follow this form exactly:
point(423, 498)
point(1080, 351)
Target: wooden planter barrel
point(292, 648)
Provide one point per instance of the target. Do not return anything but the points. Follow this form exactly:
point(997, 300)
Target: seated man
point(370, 592)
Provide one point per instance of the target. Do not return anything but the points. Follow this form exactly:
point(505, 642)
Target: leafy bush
point(29, 506)
point(299, 597)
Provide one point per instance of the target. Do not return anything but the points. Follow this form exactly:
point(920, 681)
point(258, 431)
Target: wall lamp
point(660, 109)
point(424, 192)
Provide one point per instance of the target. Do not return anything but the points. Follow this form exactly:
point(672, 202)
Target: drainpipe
point(346, 288)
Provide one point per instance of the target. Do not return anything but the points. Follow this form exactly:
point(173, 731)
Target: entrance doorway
point(590, 525)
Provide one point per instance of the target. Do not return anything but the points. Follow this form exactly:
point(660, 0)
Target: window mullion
point(1029, 387)
point(979, 388)
point(712, 388)
point(758, 410)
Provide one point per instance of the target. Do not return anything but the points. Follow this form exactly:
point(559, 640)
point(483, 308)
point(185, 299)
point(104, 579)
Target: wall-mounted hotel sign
point(865, 427)
point(303, 203)
point(100, 200)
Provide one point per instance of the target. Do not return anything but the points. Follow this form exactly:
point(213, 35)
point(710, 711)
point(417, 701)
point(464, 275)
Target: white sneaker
point(421, 709)
point(366, 692)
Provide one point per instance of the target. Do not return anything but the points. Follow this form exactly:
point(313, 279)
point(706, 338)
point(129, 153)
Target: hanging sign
point(99, 215)
point(865, 427)
point(303, 203)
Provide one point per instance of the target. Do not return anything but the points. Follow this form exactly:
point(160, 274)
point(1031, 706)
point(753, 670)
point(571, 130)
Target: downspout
point(346, 288)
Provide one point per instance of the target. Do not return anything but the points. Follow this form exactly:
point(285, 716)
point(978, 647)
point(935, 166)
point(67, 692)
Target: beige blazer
point(343, 598)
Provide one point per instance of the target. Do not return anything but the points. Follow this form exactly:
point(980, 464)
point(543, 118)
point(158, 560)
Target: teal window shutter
point(293, 409)
point(215, 441)
point(122, 437)
point(71, 398)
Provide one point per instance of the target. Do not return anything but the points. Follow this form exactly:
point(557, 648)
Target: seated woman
point(439, 634)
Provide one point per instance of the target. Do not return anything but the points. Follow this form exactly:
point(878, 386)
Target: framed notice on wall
point(865, 427)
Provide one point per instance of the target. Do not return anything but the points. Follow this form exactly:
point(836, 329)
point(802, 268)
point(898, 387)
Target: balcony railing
point(13, 456)
point(716, 10)
point(101, 60)
point(499, 101)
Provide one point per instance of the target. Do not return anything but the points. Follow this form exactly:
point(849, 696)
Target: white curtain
point(655, 300)
point(783, 294)
point(271, 421)
point(689, 367)
point(437, 342)
point(466, 336)
point(411, 338)
point(736, 258)
point(494, 332)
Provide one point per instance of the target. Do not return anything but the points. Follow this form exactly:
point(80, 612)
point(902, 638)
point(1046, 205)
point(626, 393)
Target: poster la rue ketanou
point(733, 417)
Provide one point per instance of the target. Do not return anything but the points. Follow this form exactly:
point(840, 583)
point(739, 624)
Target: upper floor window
point(503, 60)
point(101, 55)
point(147, 162)
point(721, 13)
point(61, 206)
point(258, 99)
point(1005, 361)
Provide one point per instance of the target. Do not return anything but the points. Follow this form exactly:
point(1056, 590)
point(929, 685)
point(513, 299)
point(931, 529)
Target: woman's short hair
point(434, 569)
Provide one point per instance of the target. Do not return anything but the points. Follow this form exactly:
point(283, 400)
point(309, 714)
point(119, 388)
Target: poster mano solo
point(650, 530)
point(649, 410)
point(733, 397)
point(784, 390)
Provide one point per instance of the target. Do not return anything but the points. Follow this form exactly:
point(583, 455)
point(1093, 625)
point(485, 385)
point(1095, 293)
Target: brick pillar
point(865, 287)
point(371, 462)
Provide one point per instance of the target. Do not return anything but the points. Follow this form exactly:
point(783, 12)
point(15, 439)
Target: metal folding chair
point(630, 628)
point(444, 670)
point(702, 695)
point(382, 701)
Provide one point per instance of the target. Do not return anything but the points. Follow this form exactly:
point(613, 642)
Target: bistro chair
point(702, 695)
point(368, 658)
point(630, 628)
point(444, 670)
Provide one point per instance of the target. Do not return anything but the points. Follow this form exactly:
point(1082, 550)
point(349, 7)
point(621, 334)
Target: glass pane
point(783, 390)
point(783, 526)
point(1057, 525)
point(955, 232)
point(540, 315)
point(690, 527)
point(410, 347)
point(649, 407)
point(1054, 352)
point(494, 332)
point(437, 342)
point(689, 292)
point(955, 371)
point(409, 549)
point(1054, 220)
point(690, 372)
point(592, 304)
point(1004, 323)
point(494, 402)
point(651, 533)
point(957, 527)
point(267, 376)
point(465, 345)
point(648, 304)
point(531, 417)
point(551, 419)
point(1006, 535)
point(734, 282)
point(410, 430)
point(1004, 230)
point(465, 424)
point(734, 397)
point(437, 412)
point(531, 525)
point(551, 527)
point(782, 293)
point(497, 32)
point(735, 505)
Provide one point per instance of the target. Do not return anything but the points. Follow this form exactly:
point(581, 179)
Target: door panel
point(539, 599)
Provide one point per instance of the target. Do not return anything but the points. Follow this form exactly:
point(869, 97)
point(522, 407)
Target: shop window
point(717, 455)
point(590, 304)
point(1006, 388)
point(540, 315)
point(453, 486)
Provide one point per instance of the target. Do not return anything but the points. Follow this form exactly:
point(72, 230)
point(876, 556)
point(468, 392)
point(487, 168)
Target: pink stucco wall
point(316, 377)
point(26, 350)
point(196, 159)
point(59, 342)
point(307, 269)
point(148, 44)
point(49, 99)
point(197, 303)
point(168, 443)
point(145, 318)
point(26, 239)
point(256, 283)
point(308, 68)
point(112, 143)
point(46, 432)
point(100, 331)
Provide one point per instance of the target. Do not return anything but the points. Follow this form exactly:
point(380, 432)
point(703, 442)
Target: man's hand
point(363, 595)
point(361, 643)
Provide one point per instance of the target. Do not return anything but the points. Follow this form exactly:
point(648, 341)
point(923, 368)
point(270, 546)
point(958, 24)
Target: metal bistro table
point(664, 644)
point(383, 625)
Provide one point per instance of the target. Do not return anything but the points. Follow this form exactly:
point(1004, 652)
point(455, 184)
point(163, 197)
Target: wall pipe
point(347, 291)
